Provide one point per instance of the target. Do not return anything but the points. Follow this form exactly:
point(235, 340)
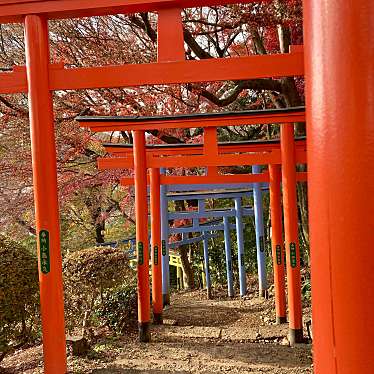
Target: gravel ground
point(202, 336)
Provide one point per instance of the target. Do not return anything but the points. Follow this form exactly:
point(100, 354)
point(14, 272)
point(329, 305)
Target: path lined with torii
point(215, 336)
point(210, 336)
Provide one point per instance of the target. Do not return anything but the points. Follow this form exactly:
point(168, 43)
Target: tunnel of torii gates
point(210, 155)
point(338, 66)
point(205, 227)
point(173, 259)
point(199, 194)
point(266, 152)
point(239, 211)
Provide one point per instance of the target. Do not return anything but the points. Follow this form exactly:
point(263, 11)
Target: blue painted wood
point(206, 263)
point(195, 223)
point(164, 243)
point(201, 206)
point(201, 228)
point(208, 195)
point(240, 242)
point(196, 239)
point(260, 238)
point(216, 213)
point(230, 283)
point(129, 241)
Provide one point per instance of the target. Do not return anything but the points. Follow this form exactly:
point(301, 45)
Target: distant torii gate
point(238, 212)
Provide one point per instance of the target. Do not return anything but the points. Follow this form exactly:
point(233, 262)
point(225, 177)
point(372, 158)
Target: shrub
point(120, 307)
point(18, 293)
point(88, 274)
point(306, 289)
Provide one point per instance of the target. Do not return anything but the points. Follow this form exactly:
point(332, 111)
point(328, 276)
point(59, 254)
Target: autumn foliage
point(225, 31)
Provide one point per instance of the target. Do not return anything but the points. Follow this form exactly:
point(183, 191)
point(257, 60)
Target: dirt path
point(215, 336)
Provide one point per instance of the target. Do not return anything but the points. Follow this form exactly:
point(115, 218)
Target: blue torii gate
point(207, 228)
point(237, 212)
point(198, 192)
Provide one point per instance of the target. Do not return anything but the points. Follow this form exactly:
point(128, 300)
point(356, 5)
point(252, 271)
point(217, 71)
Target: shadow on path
point(135, 371)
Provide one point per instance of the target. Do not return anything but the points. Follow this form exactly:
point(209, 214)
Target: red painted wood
point(15, 10)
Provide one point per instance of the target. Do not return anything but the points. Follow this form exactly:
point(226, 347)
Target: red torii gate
point(125, 154)
point(200, 155)
point(210, 155)
point(273, 177)
point(125, 159)
point(339, 69)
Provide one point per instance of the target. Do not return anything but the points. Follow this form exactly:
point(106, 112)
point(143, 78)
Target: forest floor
point(202, 336)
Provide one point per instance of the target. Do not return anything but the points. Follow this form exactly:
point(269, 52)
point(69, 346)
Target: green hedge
point(18, 293)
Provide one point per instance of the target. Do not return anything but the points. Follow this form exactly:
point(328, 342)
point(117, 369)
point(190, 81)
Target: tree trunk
point(100, 232)
point(99, 224)
point(188, 272)
point(183, 251)
point(302, 193)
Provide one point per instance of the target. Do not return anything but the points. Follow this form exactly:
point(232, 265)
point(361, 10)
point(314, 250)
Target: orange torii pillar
point(339, 58)
point(277, 243)
point(291, 233)
point(142, 240)
point(157, 302)
point(170, 47)
point(45, 194)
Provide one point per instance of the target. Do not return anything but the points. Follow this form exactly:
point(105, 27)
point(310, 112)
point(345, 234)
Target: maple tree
point(90, 198)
